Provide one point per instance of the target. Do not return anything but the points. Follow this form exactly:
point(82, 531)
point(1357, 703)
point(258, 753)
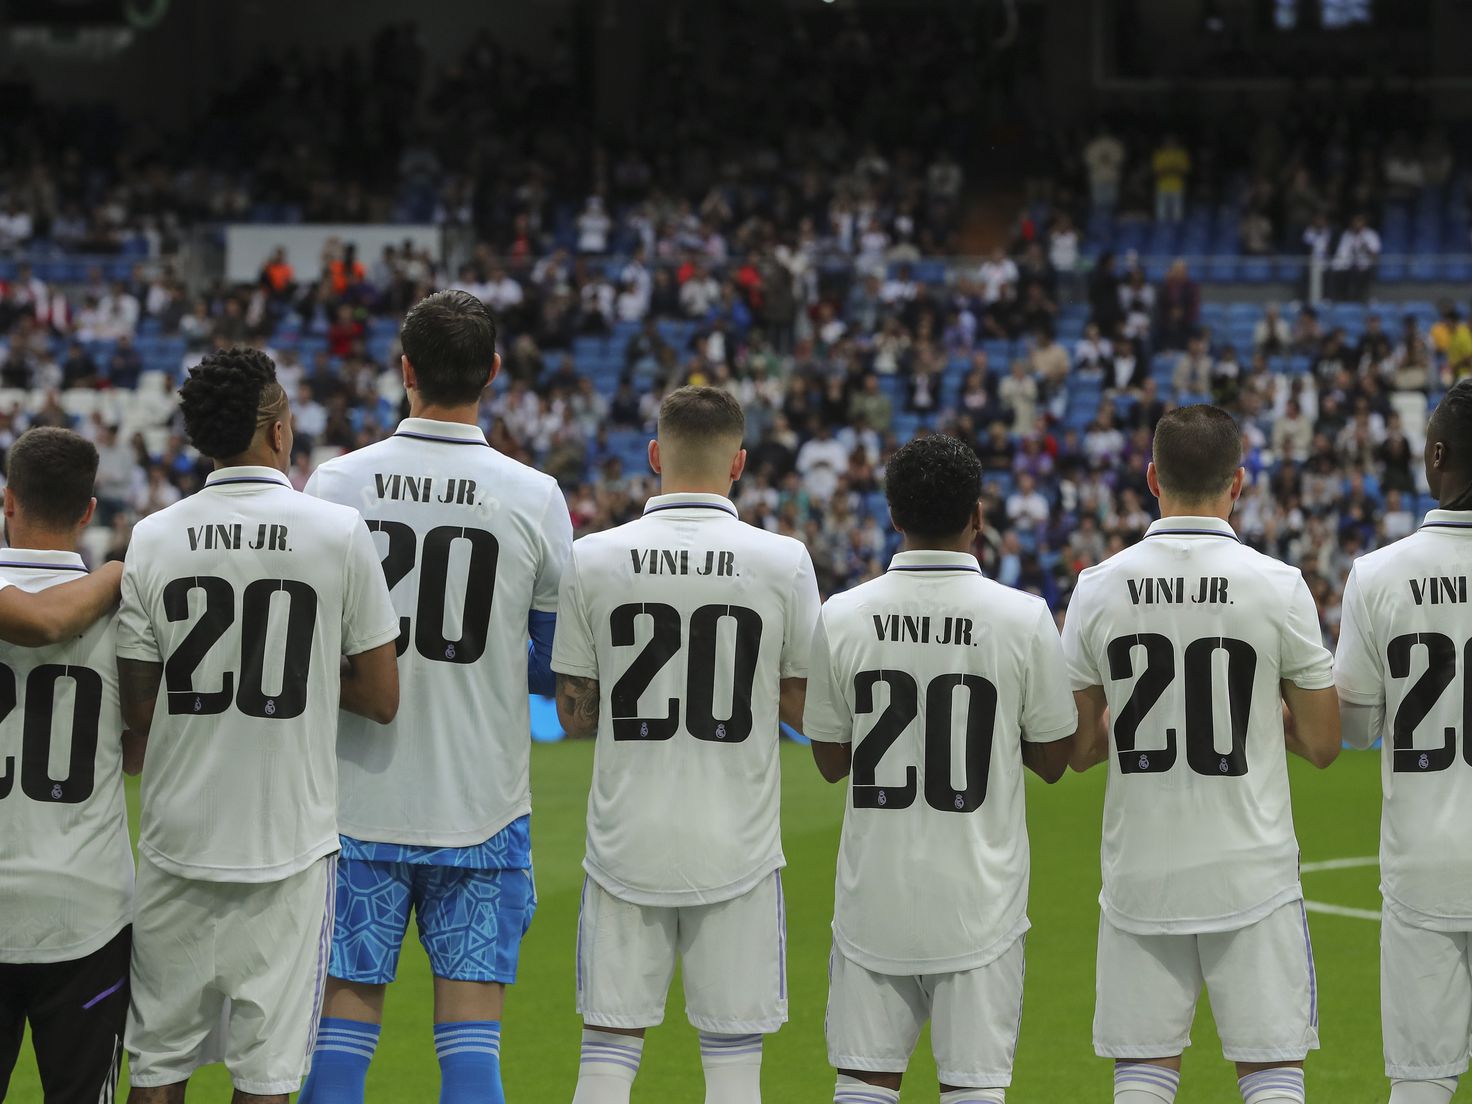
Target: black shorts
point(76, 1011)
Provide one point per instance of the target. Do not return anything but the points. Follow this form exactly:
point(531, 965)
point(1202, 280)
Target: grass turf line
point(1337, 813)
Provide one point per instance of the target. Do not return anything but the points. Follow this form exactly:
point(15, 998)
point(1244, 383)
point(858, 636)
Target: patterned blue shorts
point(471, 922)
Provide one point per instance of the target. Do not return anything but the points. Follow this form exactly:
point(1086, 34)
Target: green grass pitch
point(1338, 817)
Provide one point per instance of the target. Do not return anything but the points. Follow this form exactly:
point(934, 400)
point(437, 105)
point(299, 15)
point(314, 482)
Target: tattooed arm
point(578, 701)
point(138, 683)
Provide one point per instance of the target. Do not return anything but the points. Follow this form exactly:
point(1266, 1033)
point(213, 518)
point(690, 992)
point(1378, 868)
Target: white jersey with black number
point(249, 594)
point(1190, 634)
point(1405, 644)
point(689, 619)
point(66, 866)
point(471, 542)
point(936, 675)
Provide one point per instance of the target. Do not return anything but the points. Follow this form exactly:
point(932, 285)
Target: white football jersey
point(471, 542)
point(1405, 643)
point(66, 866)
point(1190, 634)
point(689, 619)
point(936, 675)
point(249, 594)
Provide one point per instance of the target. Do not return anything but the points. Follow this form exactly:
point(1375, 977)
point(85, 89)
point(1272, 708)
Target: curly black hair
point(1451, 423)
point(933, 484)
point(222, 399)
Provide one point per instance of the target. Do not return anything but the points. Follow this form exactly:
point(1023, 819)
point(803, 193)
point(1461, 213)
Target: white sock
point(733, 1068)
point(1282, 1083)
point(1143, 1083)
point(1423, 1092)
point(974, 1096)
point(607, 1067)
point(850, 1090)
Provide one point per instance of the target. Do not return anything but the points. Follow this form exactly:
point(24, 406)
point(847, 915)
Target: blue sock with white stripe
point(1282, 1083)
point(1143, 1083)
point(608, 1066)
point(470, 1062)
point(340, 1062)
point(850, 1090)
point(733, 1068)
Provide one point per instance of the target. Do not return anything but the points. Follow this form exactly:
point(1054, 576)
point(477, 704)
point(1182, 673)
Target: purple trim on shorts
point(781, 938)
point(1022, 996)
point(109, 991)
point(582, 906)
point(324, 951)
point(1313, 978)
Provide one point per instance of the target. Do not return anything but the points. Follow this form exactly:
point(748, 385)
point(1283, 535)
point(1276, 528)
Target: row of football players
point(682, 637)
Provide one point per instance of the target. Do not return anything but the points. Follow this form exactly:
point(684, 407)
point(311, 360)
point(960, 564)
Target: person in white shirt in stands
point(502, 292)
point(593, 227)
point(1027, 507)
point(66, 865)
point(1192, 644)
point(1104, 158)
point(995, 272)
point(1403, 670)
point(969, 671)
point(682, 638)
point(1356, 258)
point(250, 613)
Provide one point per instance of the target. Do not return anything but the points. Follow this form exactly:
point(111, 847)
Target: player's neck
point(253, 458)
point(962, 543)
point(39, 537)
point(669, 486)
point(1221, 508)
point(464, 414)
point(1456, 492)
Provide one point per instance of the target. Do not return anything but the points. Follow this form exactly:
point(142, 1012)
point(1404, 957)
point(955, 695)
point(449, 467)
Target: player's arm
point(1361, 725)
point(1358, 677)
point(578, 705)
point(1048, 761)
point(1311, 727)
point(1050, 720)
point(827, 720)
point(60, 612)
point(792, 702)
point(1090, 744)
point(134, 747)
point(370, 683)
point(834, 760)
point(138, 683)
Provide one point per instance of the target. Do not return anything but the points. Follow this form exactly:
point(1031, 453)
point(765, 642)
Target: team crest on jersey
point(1223, 766)
point(720, 732)
point(198, 704)
point(644, 728)
point(449, 651)
point(1144, 762)
point(270, 707)
point(56, 792)
point(1424, 761)
point(960, 802)
point(883, 799)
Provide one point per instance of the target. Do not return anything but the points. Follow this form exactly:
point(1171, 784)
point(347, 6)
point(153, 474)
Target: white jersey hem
point(30, 956)
point(473, 837)
point(655, 898)
point(914, 967)
point(1428, 921)
point(251, 875)
point(1202, 925)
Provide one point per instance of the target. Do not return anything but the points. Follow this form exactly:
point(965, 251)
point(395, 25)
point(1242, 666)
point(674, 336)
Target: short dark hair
point(698, 413)
point(1451, 424)
point(1197, 451)
point(223, 398)
point(450, 338)
point(933, 484)
point(52, 472)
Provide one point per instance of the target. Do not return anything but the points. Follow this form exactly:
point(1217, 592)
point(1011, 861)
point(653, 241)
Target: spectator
point(1355, 260)
point(78, 370)
point(997, 272)
point(345, 332)
point(1193, 370)
point(593, 227)
point(1104, 159)
point(1093, 351)
point(1255, 233)
point(1451, 338)
point(870, 404)
point(1179, 306)
point(1019, 392)
point(821, 460)
point(1373, 353)
point(1271, 336)
point(1292, 434)
point(501, 292)
point(124, 366)
point(1104, 305)
point(699, 293)
point(1171, 165)
point(1308, 333)
point(1027, 507)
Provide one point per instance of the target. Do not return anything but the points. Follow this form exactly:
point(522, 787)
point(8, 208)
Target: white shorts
point(1261, 981)
point(734, 955)
point(874, 1020)
point(254, 954)
point(1425, 1000)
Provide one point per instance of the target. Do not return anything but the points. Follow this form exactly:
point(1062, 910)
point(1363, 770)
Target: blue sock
point(340, 1062)
point(470, 1062)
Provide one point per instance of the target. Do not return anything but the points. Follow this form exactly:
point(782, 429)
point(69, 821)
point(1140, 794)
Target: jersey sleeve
point(803, 604)
point(136, 639)
point(368, 615)
point(314, 484)
point(1048, 712)
point(826, 717)
point(574, 651)
point(556, 549)
point(1357, 673)
point(1303, 659)
point(1083, 670)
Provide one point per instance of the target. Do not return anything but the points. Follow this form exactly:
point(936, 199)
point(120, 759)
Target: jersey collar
point(42, 559)
point(1452, 520)
point(246, 473)
point(449, 433)
point(930, 560)
point(1182, 526)
point(703, 503)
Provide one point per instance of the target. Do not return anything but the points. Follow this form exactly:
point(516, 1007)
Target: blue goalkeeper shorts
point(471, 921)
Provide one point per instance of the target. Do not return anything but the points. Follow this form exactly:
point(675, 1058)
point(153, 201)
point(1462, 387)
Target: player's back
point(1406, 642)
point(471, 542)
point(935, 673)
point(249, 593)
point(1190, 634)
point(65, 859)
point(689, 618)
